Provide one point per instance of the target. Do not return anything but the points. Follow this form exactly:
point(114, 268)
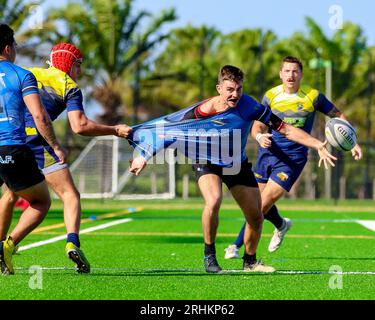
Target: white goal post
point(102, 171)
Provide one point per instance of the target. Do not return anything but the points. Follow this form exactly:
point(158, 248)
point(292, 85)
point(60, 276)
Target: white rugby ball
point(340, 134)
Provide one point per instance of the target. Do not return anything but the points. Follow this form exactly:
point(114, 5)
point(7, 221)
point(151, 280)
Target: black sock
point(250, 258)
point(274, 217)
point(209, 249)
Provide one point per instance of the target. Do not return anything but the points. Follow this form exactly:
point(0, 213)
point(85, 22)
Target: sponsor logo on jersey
point(257, 175)
point(220, 122)
point(6, 160)
point(282, 176)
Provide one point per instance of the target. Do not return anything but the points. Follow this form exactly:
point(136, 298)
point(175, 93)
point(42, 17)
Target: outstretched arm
point(84, 126)
point(302, 137)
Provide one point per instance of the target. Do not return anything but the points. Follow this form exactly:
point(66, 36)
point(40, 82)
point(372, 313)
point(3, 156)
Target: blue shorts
point(46, 158)
point(282, 170)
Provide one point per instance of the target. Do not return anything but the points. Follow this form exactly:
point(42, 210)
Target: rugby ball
point(340, 134)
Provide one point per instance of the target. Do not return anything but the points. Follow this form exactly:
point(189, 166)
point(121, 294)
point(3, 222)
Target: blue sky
point(282, 17)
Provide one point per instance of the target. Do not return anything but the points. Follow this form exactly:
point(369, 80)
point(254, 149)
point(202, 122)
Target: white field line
point(291, 272)
point(369, 224)
point(62, 237)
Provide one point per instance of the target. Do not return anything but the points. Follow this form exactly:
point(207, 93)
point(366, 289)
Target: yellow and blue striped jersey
point(297, 109)
point(57, 91)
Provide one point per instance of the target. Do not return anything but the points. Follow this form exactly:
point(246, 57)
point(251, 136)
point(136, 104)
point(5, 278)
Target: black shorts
point(18, 168)
point(245, 177)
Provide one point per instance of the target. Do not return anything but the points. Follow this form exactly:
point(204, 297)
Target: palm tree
point(252, 51)
point(185, 71)
point(112, 38)
point(15, 12)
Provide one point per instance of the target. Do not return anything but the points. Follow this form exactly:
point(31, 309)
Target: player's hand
point(137, 165)
point(61, 153)
point(264, 139)
point(325, 156)
point(357, 152)
point(122, 130)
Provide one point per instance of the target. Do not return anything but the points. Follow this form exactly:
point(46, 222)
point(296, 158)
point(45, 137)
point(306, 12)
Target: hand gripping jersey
point(15, 84)
point(219, 139)
point(296, 109)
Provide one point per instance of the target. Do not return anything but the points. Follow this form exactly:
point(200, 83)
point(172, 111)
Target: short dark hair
point(6, 36)
point(292, 59)
point(231, 73)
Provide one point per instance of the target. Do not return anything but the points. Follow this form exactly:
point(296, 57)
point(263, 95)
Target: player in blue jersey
point(234, 111)
point(281, 161)
point(59, 91)
point(18, 168)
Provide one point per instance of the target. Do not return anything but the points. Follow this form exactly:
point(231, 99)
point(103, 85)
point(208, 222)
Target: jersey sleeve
point(250, 109)
point(74, 100)
point(29, 85)
point(266, 101)
point(322, 104)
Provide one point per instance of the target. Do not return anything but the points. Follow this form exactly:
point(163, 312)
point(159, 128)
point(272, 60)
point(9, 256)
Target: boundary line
point(62, 237)
point(99, 217)
point(196, 234)
point(228, 271)
point(369, 224)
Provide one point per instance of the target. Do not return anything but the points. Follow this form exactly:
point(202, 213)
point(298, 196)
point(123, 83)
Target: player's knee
point(10, 197)
point(41, 204)
point(213, 203)
point(70, 195)
point(255, 219)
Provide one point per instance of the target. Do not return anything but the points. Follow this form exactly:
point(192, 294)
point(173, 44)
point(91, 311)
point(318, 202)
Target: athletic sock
point(209, 249)
point(239, 240)
point(274, 217)
point(250, 258)
point(74, 238)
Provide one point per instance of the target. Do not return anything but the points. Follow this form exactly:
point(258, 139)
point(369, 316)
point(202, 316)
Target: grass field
point(157, 253)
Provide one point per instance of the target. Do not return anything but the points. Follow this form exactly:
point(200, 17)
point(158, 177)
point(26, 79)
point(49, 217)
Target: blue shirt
point(220, 138)
point(15, 84)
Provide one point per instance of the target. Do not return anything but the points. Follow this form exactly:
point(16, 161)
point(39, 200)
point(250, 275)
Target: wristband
point(258, 136)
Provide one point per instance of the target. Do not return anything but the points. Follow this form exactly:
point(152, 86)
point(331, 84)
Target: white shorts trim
point(55, 167)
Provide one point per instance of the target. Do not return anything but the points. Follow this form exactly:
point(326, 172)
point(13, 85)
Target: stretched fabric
point(219, 139)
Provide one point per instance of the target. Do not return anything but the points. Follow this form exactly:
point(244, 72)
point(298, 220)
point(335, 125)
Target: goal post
point(102, 171)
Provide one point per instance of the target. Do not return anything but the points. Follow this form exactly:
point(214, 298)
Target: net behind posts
point(102, 171)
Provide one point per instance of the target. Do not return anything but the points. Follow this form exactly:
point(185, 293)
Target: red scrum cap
point(64, 55)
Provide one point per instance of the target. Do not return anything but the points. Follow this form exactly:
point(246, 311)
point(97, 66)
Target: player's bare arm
point(44, 124)
point(260, 134)
point(301, 137)
point(84, 126)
